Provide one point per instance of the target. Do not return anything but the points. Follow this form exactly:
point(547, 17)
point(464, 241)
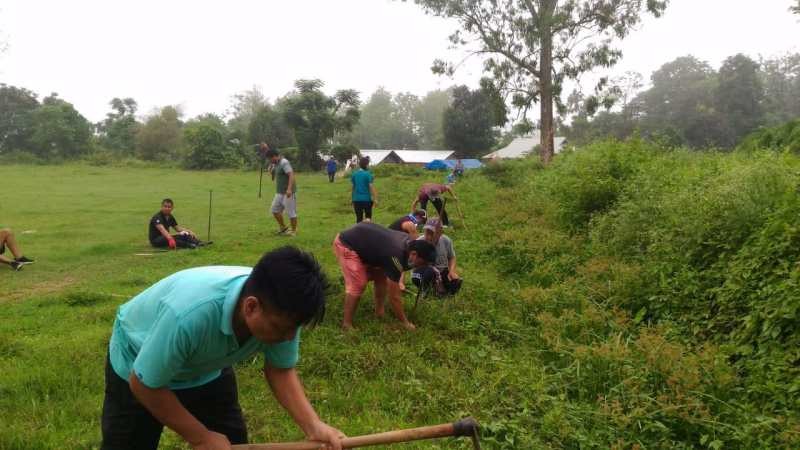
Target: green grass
point(624, 297)
point(89, 223)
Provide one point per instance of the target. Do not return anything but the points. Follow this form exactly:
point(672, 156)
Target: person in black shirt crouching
point(160, 224)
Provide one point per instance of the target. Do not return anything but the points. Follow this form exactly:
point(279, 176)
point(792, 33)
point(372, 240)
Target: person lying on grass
point(173, 347)
point(160, 224)
point(369, 252)
point(434, 192)
point(7, 239)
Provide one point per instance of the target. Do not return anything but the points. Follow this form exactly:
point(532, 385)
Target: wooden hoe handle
point(464, 427)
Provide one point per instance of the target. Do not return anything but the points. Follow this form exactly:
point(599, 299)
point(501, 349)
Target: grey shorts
point(280, 204)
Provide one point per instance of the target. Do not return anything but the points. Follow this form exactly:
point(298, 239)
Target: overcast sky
point(197, 54)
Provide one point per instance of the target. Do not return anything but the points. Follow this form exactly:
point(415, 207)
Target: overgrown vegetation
point(624, 297)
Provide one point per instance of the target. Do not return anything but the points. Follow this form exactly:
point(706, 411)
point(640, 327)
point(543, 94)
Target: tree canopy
point(534, 46)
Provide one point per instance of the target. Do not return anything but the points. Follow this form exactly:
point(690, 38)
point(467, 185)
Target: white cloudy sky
point(198, 53)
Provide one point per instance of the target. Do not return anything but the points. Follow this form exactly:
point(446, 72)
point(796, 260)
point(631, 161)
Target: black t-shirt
point(161, 219)
point(379, 246)
point(397, 225)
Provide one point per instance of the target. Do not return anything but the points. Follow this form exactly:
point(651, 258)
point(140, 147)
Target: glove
point(171, 243)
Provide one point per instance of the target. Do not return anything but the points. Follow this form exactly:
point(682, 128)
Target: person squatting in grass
point(285, 192)
point(159, 227)
point(369, 252)
point(441, 278)
point(434, 192)
point(173, 347)
point(410, 222)
point(7, 239)
point(363, 192)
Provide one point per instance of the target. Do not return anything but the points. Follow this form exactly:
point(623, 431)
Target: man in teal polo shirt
point(173, 345)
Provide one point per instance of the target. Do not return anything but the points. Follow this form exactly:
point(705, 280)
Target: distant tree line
point(690, 104)
point(304, 124)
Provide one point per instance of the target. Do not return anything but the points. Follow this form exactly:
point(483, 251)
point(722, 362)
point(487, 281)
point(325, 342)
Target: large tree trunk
point(546, 82)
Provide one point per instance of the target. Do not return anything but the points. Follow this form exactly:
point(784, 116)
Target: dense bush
point(785, 137)
point(664, 289)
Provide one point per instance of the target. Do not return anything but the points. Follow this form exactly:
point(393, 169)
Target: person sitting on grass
point(445, 264)
point(160, 224)
point(410, 222)
point(434, 192)
point(369, 252)
point(7, 239)
point(173, 348)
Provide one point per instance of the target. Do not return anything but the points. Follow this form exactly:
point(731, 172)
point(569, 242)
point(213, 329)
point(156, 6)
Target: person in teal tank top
point(364, 195)
point(173, 346)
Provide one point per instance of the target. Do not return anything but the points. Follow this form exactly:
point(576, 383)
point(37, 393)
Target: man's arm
point(451, 191)
point(414, 204)
point(374, 193)
point(290, 185)
point(451, 269)
point(396, 301)
point(167, 409)
point(411, 229)
point(289, 392)
point(181, 229)
point(163, 230)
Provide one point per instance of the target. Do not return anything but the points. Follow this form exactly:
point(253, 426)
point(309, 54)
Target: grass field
point(84, 225)
point(624, 297)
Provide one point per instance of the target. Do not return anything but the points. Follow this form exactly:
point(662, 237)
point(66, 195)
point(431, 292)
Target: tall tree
point(781, 80)
point(160, 137)
point(739, 98)
point(682, 98)
point(58, 130)
point(429, 115)
point(244, 106)
point(376, 124)
point(118, 130)
point(468, 123)
point(317, 119)
point(796, 8)
point(535, 45)
point(16, 107)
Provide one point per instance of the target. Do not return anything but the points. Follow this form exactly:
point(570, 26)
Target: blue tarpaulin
point(445, 164)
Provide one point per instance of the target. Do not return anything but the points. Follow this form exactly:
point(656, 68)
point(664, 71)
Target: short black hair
point(363, 162)
point(167, 200)
point(272, 151)
point(424, 249)
point(291, 281)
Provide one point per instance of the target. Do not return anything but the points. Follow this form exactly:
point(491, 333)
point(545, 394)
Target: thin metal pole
point(208, 239)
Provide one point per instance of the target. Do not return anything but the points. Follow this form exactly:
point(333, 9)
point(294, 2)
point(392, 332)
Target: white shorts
point(280, 204)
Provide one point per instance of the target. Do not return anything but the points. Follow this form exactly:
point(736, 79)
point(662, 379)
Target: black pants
point(426, 279)
point(439, 204)
point(128, 425)
point(362, 209)
point(181, 241)
point(331, 175)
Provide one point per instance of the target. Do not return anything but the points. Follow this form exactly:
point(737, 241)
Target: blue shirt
point(178, 333)
point(361, 180)
point(331, 165)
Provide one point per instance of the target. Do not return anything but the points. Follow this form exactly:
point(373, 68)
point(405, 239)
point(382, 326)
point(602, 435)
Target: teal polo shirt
point(178, 333)
point(361, 179)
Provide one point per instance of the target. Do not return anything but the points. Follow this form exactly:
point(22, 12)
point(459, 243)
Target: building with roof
point(381, 156)
point(523, 146)
point(422, 157)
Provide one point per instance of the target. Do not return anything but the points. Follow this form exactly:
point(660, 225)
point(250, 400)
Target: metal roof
point(522, 146)
point(375, 156)
point(422, 156)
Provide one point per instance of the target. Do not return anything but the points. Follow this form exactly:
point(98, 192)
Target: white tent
point(422, 156)
point(380, 156)
point(522, 146)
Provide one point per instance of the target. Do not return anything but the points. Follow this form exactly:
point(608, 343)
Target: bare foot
point(348, 327)
point(380, 312)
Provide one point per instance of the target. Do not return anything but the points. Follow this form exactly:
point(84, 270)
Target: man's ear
point(251, 304)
